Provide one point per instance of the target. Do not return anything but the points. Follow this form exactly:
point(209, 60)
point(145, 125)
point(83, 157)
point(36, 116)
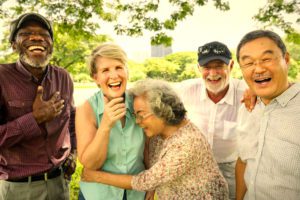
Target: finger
point(55, 97)
point(119, 115)
point(117, 107)
point(39, 93)
point(115, 101)
point(253, 101)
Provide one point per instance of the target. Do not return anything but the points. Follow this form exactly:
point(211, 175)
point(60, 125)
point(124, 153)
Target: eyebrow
point(264, 53)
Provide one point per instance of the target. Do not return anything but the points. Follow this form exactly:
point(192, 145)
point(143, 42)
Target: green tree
point(159, 68)
point(187, 62)
point(85, 17)
point(284, 14)
point(136, 71)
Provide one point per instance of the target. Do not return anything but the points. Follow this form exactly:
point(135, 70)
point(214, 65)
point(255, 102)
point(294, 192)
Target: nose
point(213, 71)
point(36, 36)
point(137, 121)
point(259, 68)
point(113, 74)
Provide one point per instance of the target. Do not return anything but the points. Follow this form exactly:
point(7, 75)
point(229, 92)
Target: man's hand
point(44, 111)
point(69, 166)
point(249, 99)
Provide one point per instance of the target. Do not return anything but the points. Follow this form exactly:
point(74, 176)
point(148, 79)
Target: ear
point(199, 67)
point(231, 63)
point(14, 45)
point(95, 77)
point(287, 58)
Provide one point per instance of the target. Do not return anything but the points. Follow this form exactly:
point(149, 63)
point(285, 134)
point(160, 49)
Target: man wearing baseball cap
point(213, 103)
point(36, 116)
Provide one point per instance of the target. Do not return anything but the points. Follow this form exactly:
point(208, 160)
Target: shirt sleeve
point(12, 132)
point(178, 159)
point(72, 129)
point(247, 132)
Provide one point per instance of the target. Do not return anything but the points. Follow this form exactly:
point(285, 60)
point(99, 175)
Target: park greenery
point(76, 24)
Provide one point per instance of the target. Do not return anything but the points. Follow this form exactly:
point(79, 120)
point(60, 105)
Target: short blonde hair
point(106, 50)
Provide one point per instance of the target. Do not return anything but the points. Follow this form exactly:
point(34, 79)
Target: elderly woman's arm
point(174, 163)
point(117, 180)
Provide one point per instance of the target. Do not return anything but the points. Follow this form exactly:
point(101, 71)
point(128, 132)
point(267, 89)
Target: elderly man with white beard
point(213, 103)
point(36, 116)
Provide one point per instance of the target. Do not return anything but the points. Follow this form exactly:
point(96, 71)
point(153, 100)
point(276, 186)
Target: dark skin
point(34, 45)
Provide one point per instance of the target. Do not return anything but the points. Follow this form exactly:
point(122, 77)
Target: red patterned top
point(182, 167)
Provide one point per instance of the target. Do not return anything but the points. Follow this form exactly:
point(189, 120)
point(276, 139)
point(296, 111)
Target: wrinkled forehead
point(33, 24)
point(258, 47)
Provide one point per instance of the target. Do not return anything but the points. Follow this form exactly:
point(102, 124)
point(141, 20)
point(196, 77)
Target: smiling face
point(216, 76)
point(151, 124)
point(111, 77)
point(264, 68)
point(34, 45)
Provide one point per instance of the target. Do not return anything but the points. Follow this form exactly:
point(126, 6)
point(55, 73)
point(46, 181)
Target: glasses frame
point(264, 62)
point(140, 118)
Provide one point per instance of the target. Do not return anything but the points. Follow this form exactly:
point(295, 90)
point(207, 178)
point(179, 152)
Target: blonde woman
point(108, 138)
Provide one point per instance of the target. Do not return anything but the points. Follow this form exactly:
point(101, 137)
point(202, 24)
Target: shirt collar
point(27, 75)
point(287, 95)
point(228, 98)
point(23, 70)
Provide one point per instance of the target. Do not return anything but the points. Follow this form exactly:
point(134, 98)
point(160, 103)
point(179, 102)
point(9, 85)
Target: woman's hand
point(114, 110)
point(150, 195)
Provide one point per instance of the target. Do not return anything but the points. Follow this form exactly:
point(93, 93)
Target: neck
point(216, 97)
point(169, 130)
point(37, 72)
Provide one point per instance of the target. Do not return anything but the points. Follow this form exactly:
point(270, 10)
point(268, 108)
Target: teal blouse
point(125, 153)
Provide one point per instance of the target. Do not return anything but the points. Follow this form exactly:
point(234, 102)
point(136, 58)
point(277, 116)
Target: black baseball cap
point(213, 51)
point(17, 24)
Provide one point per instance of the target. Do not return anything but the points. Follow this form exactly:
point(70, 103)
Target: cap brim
point(35, 18)
point(17, 24)
point(203, 62)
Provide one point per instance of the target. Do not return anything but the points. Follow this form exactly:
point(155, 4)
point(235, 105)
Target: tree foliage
point(85, 17)
point(284, 14)
point(77, 22)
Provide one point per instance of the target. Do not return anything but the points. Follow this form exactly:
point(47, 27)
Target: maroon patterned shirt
point(28, 148)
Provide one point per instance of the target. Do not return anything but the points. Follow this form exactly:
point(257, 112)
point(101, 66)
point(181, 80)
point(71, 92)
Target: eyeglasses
point(204, 50)
point(142, 117)
point(265, 62)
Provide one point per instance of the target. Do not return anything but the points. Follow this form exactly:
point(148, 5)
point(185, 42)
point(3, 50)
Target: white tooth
point(31, 48)
point(114, 84)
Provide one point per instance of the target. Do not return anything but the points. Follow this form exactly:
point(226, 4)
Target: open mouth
point(262, 80)
point(214, 79)
point(114, 85)
point(36, 48)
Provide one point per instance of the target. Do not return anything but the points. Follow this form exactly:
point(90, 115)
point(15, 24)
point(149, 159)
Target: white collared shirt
point(269, 143)
point(216, 121)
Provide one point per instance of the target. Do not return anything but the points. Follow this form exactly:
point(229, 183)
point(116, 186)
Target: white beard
point(34, 63)
point(215, 89)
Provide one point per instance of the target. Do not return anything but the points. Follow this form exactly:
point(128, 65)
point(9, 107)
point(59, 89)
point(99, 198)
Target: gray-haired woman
point(182, 164)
